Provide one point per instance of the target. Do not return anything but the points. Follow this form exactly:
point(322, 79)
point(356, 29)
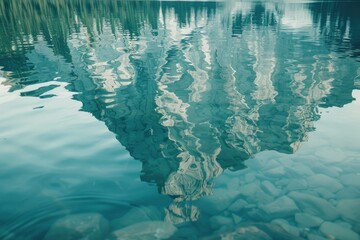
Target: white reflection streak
point(264, 65)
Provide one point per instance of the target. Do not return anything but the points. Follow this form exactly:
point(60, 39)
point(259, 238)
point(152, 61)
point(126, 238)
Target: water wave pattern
point(189, 89)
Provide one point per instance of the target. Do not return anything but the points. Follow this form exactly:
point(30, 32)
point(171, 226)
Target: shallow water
point(179, 120)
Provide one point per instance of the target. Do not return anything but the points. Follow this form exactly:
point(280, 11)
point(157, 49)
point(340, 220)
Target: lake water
point(179, 120)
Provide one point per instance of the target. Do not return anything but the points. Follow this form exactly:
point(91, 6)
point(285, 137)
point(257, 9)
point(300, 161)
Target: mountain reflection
point(189, 88)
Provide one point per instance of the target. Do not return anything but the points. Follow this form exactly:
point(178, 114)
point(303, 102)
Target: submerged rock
point(270, 188)
point(294, 231)
point(323, 181)
point(246, 233)
point(349, 209)
point(328, 170)
point(306, 220)
point(188, 233)
point(218, 202)
point(257, 215)
point(297, 184)
point(280, 208)
point(250, 177)
point(237, 219)
point(335, 231)
point(315, 205)
point(256, 231)
point(315, 237)
point(348, 192)
point(276, 172)
point(324, 193)
point(135, 215)
point(253, 193)
point(217, 222)
point(238, 205)
point(299, 170)
point(351, 180)
point(344, 224)
point(146, 230)
point(86, 226)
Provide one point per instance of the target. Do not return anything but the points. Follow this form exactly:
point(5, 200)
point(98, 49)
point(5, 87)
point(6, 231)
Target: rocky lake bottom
point(276, 197)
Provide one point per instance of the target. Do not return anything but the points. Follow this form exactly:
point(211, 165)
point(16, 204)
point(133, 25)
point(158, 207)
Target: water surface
point(216, 118)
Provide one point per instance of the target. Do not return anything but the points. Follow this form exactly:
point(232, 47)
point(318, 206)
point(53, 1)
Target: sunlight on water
point(179, 120)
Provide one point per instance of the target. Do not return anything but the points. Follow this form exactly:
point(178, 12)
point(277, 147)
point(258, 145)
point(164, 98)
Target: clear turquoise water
point(179, 120)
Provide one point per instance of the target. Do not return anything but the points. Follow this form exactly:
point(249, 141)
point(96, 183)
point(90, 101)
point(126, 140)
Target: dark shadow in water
point(189, 88)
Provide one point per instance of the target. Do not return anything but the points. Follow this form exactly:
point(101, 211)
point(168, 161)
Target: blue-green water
point(179, 120)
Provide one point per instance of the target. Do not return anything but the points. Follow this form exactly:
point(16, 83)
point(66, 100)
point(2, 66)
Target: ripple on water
point(34, 222)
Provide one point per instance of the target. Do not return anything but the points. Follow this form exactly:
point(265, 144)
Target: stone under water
point(336, 231)
point(147, 230)
point(254, 231)
point(315, 205)
point(87, 226)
